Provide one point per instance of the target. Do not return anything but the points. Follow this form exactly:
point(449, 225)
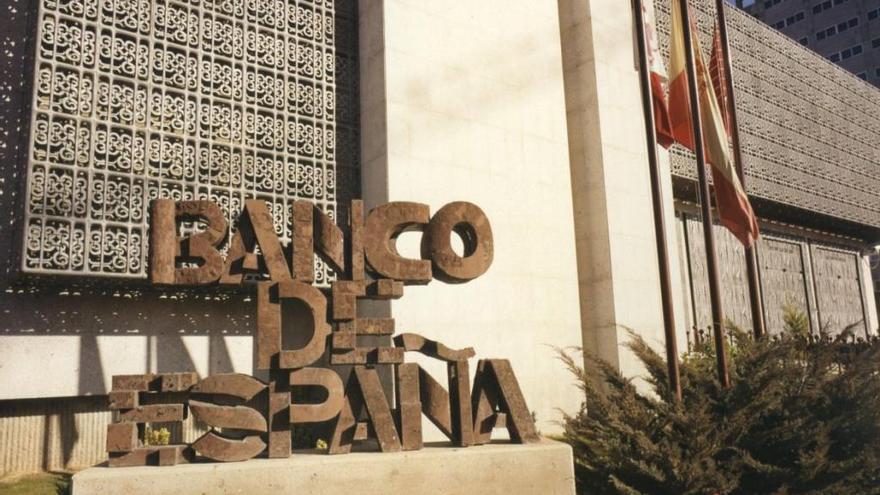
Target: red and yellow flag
point(657, 72)
point(731, 199)
point(719, 77)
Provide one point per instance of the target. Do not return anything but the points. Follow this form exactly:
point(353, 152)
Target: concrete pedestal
point(545, 468)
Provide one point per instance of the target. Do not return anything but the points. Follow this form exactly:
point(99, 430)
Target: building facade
point(846, 32)
point(530, 110)
point(810, 167)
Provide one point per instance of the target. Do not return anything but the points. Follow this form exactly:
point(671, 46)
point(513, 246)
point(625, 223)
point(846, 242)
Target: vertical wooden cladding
point(839, 297)
point(785, 278)
point(821, 280)
point(731, 267)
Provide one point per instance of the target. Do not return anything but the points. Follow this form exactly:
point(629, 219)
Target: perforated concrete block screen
point(226, 100)
point(809, 129)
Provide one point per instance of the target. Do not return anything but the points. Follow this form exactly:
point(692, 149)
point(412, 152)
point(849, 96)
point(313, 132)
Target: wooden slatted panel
point(783, 279)
point(731, 262)
point(838, 290)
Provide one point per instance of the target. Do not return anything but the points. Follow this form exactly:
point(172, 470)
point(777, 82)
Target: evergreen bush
point(802, 415)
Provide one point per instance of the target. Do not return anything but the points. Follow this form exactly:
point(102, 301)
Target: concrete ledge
point(499, 468)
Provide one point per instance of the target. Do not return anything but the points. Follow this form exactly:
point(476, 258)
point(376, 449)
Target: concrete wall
point(870, 297)
point(464, 100)
point(67, 342)
point(616, 248)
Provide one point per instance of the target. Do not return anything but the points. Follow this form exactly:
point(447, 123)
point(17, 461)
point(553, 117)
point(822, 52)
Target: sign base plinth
point(498, 468)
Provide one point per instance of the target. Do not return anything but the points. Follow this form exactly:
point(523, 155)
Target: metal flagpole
point(705, 200)
point(753, 276)
point(657, 198)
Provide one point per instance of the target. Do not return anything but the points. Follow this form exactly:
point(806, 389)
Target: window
point(819, 7)
point(873, 14)
point(779, 25)
point(846, 54)
point(770, 3)
point(862, 75)
point(794, 18)
point(804, 41)
point(839, 28)
point(875, 43)
point(843, 26)
point(877, 71)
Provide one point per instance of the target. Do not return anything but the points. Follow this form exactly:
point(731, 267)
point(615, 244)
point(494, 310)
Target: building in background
point(846, 32)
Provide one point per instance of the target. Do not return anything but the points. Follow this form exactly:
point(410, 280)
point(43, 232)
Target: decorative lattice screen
point(139, 99)
point(810, 130)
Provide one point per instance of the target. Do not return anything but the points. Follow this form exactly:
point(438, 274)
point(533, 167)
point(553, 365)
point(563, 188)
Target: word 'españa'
point(247, 417)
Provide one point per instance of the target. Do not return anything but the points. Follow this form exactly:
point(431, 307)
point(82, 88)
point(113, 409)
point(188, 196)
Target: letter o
point(471, 224)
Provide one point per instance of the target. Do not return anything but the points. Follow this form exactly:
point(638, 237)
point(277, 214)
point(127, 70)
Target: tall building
point(846, 32)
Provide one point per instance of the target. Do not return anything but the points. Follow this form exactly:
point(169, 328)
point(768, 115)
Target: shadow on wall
point(52, 434)
point(63, 433)
point(64, 423)
point(100, 333)
point(113, 328)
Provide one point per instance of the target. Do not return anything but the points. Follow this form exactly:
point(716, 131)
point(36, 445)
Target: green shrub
point(802, 416)
point(153, 436)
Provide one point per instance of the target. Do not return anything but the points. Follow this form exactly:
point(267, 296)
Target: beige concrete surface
point(507, 469)
point(616, 249)
point(870, 302)
point(464, 100)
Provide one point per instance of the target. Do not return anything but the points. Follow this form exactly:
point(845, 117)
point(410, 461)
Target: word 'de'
point(247, 417)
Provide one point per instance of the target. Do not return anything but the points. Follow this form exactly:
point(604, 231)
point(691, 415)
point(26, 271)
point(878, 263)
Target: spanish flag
point(657, 72)
point(731, 199)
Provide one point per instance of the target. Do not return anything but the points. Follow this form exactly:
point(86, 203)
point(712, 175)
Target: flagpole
point(752, 274)
point(705, 200)
point(657, 198)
